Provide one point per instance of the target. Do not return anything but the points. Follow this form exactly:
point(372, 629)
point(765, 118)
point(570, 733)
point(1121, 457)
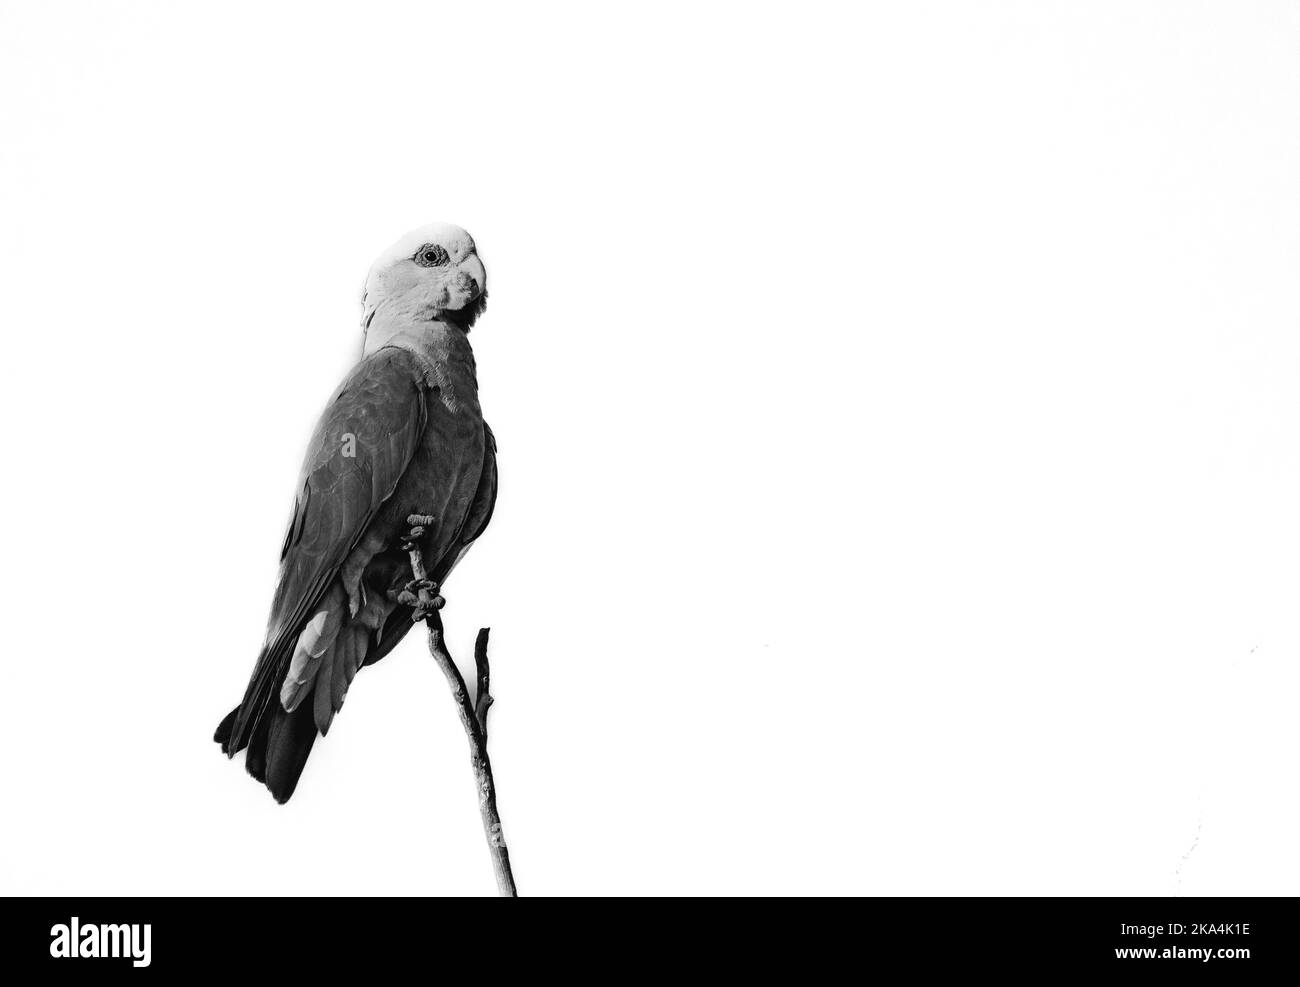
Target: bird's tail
point(279, 741)
point(277, 749)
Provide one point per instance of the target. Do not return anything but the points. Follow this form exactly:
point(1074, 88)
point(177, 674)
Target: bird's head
point(432, 273)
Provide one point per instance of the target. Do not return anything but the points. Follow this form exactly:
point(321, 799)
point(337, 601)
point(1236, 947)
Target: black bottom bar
point(257, 938)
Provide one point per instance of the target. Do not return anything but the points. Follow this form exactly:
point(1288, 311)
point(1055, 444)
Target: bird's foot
point(418, 523)
point(421, 592)
point(422, 596)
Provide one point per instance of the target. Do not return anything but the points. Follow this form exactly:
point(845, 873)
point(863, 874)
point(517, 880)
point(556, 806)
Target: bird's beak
point(474, 268)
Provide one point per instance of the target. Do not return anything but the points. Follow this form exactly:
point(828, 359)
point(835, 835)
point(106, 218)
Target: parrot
point(404, 435)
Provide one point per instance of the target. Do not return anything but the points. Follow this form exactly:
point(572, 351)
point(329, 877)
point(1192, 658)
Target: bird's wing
point(476, 520)
point(486, 500)
point(480, 508)
point(362, 446)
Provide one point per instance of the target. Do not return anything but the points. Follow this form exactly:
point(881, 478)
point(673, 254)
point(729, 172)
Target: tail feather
point(255, 760)
point(322, 694)
point(279, 740)
point(289, 741)
point(224, 728)
point(277, 749)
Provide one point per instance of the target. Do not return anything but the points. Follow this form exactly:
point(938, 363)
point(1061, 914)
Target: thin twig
point(476, 731)
point(473, 717)
point(482, 697)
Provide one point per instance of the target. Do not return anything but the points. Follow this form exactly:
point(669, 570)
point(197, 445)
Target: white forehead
point(453, 239)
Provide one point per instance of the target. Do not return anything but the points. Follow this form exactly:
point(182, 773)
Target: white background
point(898, 409)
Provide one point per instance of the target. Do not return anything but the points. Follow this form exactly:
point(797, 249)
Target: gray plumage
point(403, 435)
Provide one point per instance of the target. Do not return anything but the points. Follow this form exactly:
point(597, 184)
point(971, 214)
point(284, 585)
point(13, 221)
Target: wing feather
point(379, 417)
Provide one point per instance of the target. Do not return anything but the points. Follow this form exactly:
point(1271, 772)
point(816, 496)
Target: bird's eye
point(431, 255)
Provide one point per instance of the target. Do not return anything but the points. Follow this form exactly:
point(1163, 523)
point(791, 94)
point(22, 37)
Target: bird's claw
point(419, 524)
point(422, 608)
point(422, 596)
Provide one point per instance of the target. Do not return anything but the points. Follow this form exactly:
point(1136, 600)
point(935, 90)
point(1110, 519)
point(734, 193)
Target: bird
point(403, 435)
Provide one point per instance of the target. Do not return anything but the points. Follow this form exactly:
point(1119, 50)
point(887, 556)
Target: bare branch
point(483, 695)
point(473, 717)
